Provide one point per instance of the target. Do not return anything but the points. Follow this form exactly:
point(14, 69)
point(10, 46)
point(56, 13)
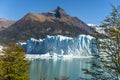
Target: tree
point(13, 64)
point(108, 68)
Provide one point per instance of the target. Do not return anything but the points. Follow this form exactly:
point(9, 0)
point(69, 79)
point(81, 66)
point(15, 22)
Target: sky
point(89, 11)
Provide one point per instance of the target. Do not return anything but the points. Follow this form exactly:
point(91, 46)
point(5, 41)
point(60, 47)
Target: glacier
point(82, 45)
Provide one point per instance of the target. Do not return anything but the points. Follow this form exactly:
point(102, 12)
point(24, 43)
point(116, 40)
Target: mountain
point(4, 23)
point(56, 22)
point(99, 29)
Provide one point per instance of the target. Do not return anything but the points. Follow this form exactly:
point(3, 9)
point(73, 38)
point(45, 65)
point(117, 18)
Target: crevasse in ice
point(82, 45)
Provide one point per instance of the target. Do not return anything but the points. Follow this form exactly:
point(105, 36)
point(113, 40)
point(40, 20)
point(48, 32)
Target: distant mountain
point(93, 25)
point(4, 23)
point(98, 29)
point(56, 22)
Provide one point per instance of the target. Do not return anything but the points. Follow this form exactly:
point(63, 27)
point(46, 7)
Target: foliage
point(108, 68)
point(13, 64)
point(114, 19)
point(112, 45)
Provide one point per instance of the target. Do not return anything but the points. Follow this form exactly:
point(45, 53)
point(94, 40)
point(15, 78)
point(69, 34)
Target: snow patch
point(1, 47)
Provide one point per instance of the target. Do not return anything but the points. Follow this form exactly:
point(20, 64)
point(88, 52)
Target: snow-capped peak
point(92, 25)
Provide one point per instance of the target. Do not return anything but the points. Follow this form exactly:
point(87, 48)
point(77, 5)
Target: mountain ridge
point(5, 23)
point(57, 22)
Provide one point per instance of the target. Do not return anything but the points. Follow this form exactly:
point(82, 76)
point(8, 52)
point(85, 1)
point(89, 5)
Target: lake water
point(48, 69)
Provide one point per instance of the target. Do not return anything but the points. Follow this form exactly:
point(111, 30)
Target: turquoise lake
point(48, 69)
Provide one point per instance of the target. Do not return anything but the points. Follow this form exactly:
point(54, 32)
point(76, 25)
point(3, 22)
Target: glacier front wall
point(82, 45)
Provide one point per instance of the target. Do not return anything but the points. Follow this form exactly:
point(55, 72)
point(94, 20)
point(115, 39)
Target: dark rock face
point(57, 22)
point(57, 13)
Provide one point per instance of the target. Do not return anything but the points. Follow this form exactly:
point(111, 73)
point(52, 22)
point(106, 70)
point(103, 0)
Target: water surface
point(48, 69)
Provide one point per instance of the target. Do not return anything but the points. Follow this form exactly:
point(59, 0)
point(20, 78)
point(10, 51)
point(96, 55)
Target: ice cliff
point(82, 45)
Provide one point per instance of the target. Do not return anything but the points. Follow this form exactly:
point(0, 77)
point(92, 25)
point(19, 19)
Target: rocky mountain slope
point(4, 23)
point(56, 22)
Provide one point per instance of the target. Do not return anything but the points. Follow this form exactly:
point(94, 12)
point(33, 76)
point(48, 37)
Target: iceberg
point(82, 45)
